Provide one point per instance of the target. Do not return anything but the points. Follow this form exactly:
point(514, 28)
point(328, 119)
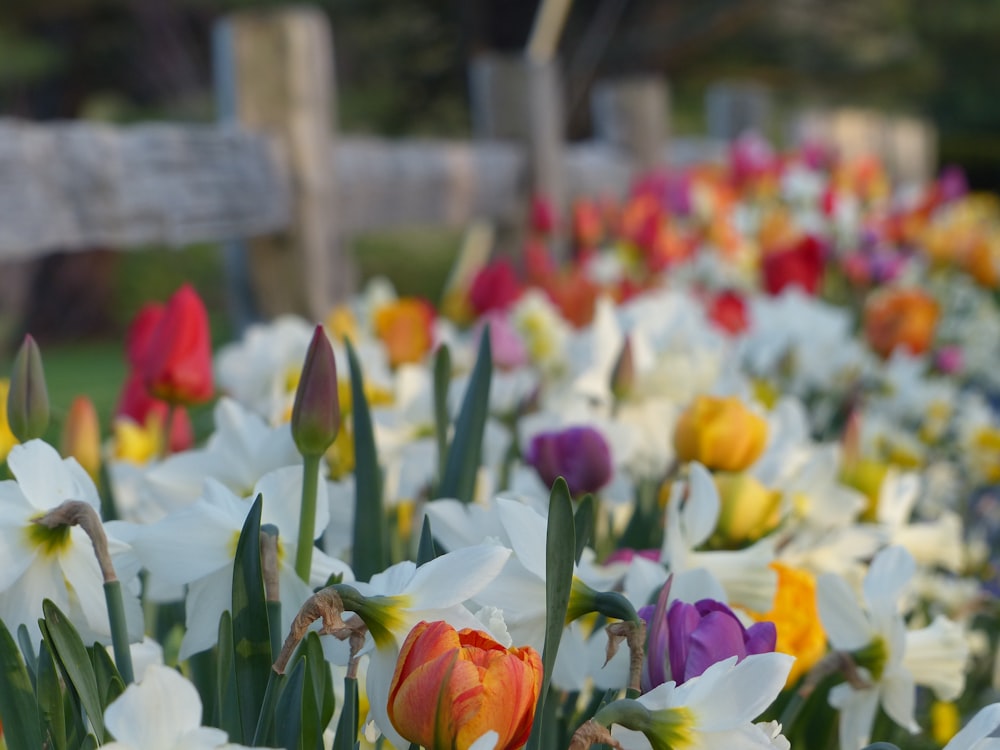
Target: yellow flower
point(721, 433)
point(866, 476)
point(136, 443)
point(944, 721)
point(7, 439)
point(749, 510)
point(796, 618)
point(406, 329)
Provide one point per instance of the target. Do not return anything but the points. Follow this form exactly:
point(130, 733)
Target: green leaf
point(51, 706)
point(28, 651)
point(75, 663)
point(317, 694)
point(109, 681)
point(251, 635)
point(369, 546)
point(227, 709)
point(425, 550)
point(17, 699)
point(560, 548)
point(290, 708)
point(347, 725)
point(442, 378)
point(459, 478)
point(89, 743)
point(583, 523)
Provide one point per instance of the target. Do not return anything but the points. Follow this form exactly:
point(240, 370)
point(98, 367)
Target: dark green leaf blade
point(227, 710)
point(17, 699)
point(251, 635)
point(369, 552)
point(425, 549)
point(49, 695)
point(289, 708)
point(347, 726)
point(75, 663)
point(583, 522)
point(442, 378)
point(462, 466)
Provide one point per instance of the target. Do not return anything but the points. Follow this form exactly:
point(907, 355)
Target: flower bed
point(726, 479)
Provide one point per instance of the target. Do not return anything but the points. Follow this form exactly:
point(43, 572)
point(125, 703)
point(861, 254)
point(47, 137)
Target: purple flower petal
point(718, 636)
point(761, 637)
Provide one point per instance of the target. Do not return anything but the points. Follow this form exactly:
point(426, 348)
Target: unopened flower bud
point(28, 398)
point(623, 374)
point(579, 454)
point(81, 436)
point(316, 412)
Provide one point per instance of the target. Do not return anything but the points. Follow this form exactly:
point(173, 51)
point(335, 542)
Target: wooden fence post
point(733, 107)
point(633, 115)
point(278, 66)
point(519, 99)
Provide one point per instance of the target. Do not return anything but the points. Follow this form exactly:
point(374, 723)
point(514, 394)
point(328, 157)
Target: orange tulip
point(721, 433)
point(81, 437)
point(900, 318)
point(452, 687)
point(406, 327)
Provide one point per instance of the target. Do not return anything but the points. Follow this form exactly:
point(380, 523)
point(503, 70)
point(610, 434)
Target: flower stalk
point(79, 513)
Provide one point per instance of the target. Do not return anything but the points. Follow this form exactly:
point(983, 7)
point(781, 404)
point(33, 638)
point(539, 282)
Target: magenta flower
point(686, 639)
point(578, 454)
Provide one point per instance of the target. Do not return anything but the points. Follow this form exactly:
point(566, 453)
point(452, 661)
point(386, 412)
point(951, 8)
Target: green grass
point(417, 261)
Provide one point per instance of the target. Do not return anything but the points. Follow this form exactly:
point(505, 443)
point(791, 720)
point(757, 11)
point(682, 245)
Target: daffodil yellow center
point(49, 542)
point(873, 657)
point(674, 728)
point(383, 617)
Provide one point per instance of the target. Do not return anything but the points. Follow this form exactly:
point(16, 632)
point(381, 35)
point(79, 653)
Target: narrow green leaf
point(459, 478)
point(109, 680)
point(560, 548)
point(226, 715)
point(442, 379)
point(202, 668)
point(251, 635)
point(290, 707)
point(347, 726)
point(75, 663)
point(263, 734)
point(17, 699)
point(425, 550)
point(317, 693)
point(49, 695)
point(28, 651)
point(89, 743)
point(583, 522)
point(369, 554)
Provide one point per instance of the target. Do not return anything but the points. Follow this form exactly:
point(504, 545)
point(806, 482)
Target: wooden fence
point(275, 176)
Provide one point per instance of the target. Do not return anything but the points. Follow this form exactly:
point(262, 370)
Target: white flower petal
point(207, 599)
point(526, 529)
point(889, 574)
point(845, 623)
point(46, 479)
point(857, 714)
point(899, 698)
point(155, 712)
point(700, 512)
point(452, 578)
point(980, 726)
point(736, 694)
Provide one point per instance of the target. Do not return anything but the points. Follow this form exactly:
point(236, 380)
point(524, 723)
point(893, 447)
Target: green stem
point(119, 629)
point(307, 521)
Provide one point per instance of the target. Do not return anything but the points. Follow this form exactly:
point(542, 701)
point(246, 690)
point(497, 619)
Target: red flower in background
point(799, 265)
point(176, 358)
point(728, 311)
point(495, 287)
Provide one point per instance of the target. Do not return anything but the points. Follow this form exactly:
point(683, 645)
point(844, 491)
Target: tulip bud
point(81, 437)
point(720, 433)
point(748, 510)
point(316, 412)
point(578, 454)
point(28, 398)
point(451, 688)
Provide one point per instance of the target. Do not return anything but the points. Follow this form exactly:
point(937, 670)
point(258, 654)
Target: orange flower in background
point(796, 618)
point(81, 436)
point(904, 318)
point(452, 687)
point(176, 360)
point(722, 433)
point(406, 328)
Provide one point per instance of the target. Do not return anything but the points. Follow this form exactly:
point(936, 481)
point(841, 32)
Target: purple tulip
point(686, 639)
point(578, 454)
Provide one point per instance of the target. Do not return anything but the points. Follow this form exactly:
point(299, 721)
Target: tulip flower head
point(452, 687)
point(176, 361)
point(721, 433)
point(579, 454)
point(28, 397)
point(316, 412)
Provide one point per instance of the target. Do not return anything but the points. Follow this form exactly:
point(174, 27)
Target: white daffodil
point(692, 514)
point(161, 712)
point(714, 711)
point(240, 451)
point(196, 545)
point(403, 595)
point(979, 733)
point(890, 659)
point(38, 563)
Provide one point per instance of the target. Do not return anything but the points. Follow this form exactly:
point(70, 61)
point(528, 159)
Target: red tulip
point(800, 265)
point(177, 362)
point(452, 687)
point(728, 311)
point(495, 287)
